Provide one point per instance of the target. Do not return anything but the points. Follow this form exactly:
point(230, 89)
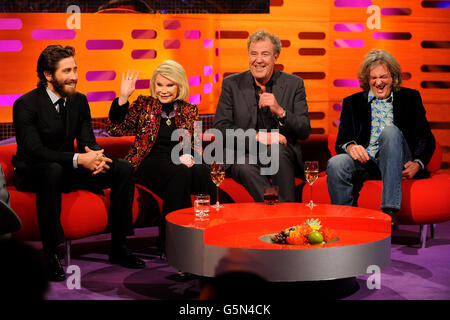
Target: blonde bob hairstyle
point(379, 57)
point(173, 71)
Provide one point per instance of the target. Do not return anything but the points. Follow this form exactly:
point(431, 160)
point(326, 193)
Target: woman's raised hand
point(127, 86)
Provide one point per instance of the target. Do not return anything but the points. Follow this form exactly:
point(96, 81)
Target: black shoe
point(55, 270)
point(125, 258)
point(391, 213)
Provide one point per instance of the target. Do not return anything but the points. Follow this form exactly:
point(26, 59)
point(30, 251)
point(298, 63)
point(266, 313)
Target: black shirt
point(266, 119)
point(163, 143)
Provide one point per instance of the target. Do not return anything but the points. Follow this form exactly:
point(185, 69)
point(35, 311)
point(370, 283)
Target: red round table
point(235, 238)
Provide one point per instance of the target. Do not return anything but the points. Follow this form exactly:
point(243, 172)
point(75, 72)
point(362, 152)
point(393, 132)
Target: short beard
point(59, 87)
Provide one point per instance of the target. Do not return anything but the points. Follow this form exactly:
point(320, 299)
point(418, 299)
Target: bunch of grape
point(281, 237)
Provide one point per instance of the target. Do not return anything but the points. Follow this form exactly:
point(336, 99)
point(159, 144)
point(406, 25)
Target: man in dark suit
point(47, 120)
point(272, 105)
point(383, 134)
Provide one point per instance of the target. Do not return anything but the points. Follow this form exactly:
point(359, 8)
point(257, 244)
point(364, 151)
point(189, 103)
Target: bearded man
point(47, 120)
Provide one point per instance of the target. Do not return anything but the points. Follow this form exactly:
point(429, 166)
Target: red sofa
point(83, 213)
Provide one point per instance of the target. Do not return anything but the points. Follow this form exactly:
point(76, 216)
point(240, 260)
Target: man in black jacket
point(47, 120)
point(383, 134)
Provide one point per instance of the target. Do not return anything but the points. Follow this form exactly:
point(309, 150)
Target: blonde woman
point(152, 119)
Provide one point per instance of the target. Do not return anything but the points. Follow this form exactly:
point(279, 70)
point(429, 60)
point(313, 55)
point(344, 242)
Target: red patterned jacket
point(142, 119)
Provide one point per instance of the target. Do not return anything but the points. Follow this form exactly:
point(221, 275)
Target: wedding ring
point(129, 78)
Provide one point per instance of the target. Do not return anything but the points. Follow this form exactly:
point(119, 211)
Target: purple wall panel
point(349, 27)
point(143, 54)
point(143, 34)
point(195, 99)
point(100, 96)
point(104, 44)
point(349, 83)
point(349, 43)
point(10, 45)
point(53, 34)
point(352, 3)
point(7, 100)
point(100, 75)
point(10, 24)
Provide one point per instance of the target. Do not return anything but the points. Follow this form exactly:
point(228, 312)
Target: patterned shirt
point(382, 116)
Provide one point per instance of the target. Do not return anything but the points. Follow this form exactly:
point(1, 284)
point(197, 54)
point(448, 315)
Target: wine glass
point(217, 176)
point(311, 175)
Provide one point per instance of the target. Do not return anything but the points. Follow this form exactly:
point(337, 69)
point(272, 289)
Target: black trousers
point(50, 180)
point(249, 175)
point(173, 183)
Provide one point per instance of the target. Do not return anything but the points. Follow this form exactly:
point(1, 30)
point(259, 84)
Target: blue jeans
point(345, 176)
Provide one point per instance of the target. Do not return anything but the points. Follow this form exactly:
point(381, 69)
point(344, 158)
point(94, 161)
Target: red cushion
point(320, 191)
point(436, 160)
point(236, 191)
point(424, 201)
point(83, 213)
point(6, 153)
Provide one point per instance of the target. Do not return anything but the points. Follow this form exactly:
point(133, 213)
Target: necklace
point(168, 117)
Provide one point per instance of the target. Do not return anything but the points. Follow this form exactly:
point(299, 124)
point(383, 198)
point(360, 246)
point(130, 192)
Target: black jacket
point(40, 134)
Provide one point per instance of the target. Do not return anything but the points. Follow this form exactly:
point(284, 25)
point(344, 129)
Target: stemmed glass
point(311, 175)
point(217, 176)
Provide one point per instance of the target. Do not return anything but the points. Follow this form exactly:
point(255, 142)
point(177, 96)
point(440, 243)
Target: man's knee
point(338, 163)
point(50, 172)
point(390, 133)
point(244, 171)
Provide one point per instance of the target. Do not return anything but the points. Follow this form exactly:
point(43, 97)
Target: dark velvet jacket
point(409, 117)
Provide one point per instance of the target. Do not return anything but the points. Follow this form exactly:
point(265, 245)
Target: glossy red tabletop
point(240, 225)
point(237, 237)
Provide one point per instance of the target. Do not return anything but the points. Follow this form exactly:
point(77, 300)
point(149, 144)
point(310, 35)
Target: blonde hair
point(173, 71)
point(374, 58)
point(262, 35)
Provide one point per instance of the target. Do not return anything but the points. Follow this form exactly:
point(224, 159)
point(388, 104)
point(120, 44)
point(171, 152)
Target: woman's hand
point(187, 160)
point(127, 86)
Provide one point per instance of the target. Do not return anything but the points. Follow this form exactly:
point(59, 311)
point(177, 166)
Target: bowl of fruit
point(310, 232)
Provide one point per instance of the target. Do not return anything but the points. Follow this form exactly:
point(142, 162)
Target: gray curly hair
point(376, 57)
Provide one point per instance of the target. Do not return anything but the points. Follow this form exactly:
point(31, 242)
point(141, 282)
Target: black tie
point(62, 110)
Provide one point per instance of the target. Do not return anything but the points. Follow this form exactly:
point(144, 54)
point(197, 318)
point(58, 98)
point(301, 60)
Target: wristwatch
point(282, 119)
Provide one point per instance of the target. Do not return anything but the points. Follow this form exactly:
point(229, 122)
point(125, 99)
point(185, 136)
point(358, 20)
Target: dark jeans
point(346, 176)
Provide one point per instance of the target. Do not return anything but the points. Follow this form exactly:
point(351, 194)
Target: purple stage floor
point(414, 273)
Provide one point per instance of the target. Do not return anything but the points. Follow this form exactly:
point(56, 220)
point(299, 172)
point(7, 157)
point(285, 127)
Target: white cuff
point(75, 160)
